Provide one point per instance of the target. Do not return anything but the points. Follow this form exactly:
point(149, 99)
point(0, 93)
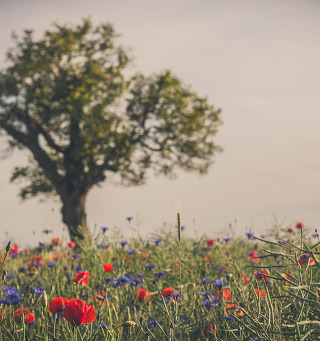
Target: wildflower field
point(168, 287)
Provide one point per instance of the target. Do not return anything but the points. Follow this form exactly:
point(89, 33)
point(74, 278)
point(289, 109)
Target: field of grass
point(166, 288)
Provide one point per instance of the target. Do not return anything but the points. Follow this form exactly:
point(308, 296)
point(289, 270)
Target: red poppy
point(210, 242)
point(223, 293)
point(35, 260)
point(57, 303)
point(82, 278)
point(303, 259)
point(262, 274)
point(259, 293)
point(18, 314)
point(72, 245)
point(300, 225)
point(29, 319)
point(108, 267)
point(208, 330)
point(55, 241)
point(244, 279)
point(15, 249)
point(233, 308)
point(253, 253)
point(168, 292)
point(254, 260)
point(253, 256)
point(99, 298)
point(78, 312)
point(143, 295)
point(288, 275)
point(290, 230)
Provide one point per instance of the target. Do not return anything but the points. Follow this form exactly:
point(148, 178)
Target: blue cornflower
point(183, 227)
point(150, 266)
point(123, 243)
point(230, 318)
point(204, 281)
point(13, 293)
point(160, 274)
point(157, 241)
point(46, 231)
point(227, 239)
point(129, 219)
point(153, 323)
point(16, 301)
point(104, 229)
point(22, 270)
point(206, 293)
point(5, 301)
point(249, 234)
point(102, 246)
point(176, 294)
point(36, 290)
point(166, 299)
point(51, 265)
point(42, 245)
point(131, 252)
point(141, 275)
point(208, 303)
point(103, 325)
point(219, 283)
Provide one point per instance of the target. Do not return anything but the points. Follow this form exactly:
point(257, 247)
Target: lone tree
point(67, 99)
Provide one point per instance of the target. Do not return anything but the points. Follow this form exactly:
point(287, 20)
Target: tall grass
point(219, 297)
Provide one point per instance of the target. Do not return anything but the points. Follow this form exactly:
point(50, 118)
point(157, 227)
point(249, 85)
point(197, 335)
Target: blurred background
point(256, 60)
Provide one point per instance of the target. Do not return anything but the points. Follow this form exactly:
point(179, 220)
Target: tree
point(69, 100)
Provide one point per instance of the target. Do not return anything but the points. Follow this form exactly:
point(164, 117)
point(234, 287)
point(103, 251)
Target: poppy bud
point(44, 299)
point(8, 246)
point(128, 324)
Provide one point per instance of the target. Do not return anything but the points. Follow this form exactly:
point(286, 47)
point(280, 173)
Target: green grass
point(288, 311)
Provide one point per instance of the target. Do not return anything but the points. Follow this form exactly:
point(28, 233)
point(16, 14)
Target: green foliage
point(39, 182)
point(66, 97)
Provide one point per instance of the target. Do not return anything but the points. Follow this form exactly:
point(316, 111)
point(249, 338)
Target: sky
point(256, 60)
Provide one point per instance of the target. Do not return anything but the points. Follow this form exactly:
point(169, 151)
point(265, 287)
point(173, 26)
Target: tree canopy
point(68, 99)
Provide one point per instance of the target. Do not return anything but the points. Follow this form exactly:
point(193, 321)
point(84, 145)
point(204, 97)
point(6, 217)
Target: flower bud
point(44, 299)
point(128, 324)
point(8, 246)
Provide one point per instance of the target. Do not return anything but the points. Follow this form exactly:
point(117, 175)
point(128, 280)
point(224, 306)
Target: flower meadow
point(168, 287)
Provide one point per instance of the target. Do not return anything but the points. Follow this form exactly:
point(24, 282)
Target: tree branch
point(44, 161)
point(36, 128)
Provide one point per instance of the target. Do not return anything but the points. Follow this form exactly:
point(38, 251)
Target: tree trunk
point(74, 216)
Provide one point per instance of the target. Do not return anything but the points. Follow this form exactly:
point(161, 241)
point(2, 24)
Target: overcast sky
point(256, 60)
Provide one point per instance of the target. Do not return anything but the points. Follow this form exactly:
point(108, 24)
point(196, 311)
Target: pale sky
point(259, 61)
